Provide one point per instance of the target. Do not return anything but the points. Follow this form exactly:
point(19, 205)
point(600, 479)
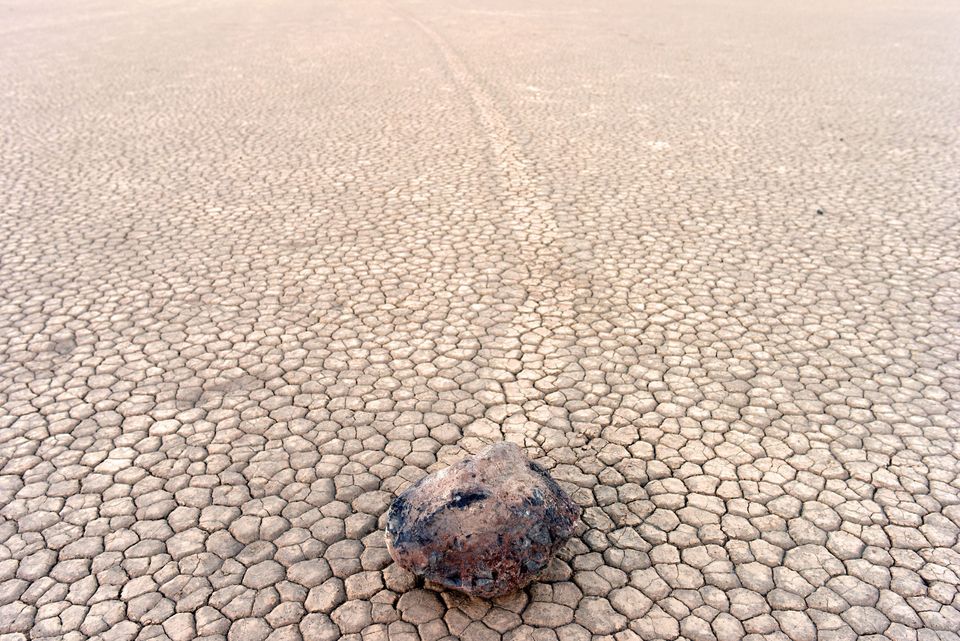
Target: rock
point(486, 525)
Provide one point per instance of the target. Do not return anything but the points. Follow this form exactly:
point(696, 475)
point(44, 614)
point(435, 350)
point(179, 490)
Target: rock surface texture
point(485, 526)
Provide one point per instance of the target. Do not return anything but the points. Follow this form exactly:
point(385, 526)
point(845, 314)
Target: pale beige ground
point(262, 264)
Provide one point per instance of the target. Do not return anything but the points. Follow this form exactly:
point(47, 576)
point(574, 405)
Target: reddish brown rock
point(485, 526)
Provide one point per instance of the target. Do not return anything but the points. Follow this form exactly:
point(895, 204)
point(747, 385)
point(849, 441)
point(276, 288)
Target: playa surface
point(265, 264)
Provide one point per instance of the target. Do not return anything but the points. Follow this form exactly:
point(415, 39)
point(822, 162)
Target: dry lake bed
point(265, 264)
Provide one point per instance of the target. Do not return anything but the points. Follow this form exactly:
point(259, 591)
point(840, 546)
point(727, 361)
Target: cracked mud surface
point(263, 265)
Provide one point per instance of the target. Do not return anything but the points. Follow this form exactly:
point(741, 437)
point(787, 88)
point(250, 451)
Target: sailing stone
point(486, 525)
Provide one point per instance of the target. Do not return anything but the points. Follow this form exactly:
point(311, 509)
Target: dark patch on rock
point(464, 500)
point(486, 525)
